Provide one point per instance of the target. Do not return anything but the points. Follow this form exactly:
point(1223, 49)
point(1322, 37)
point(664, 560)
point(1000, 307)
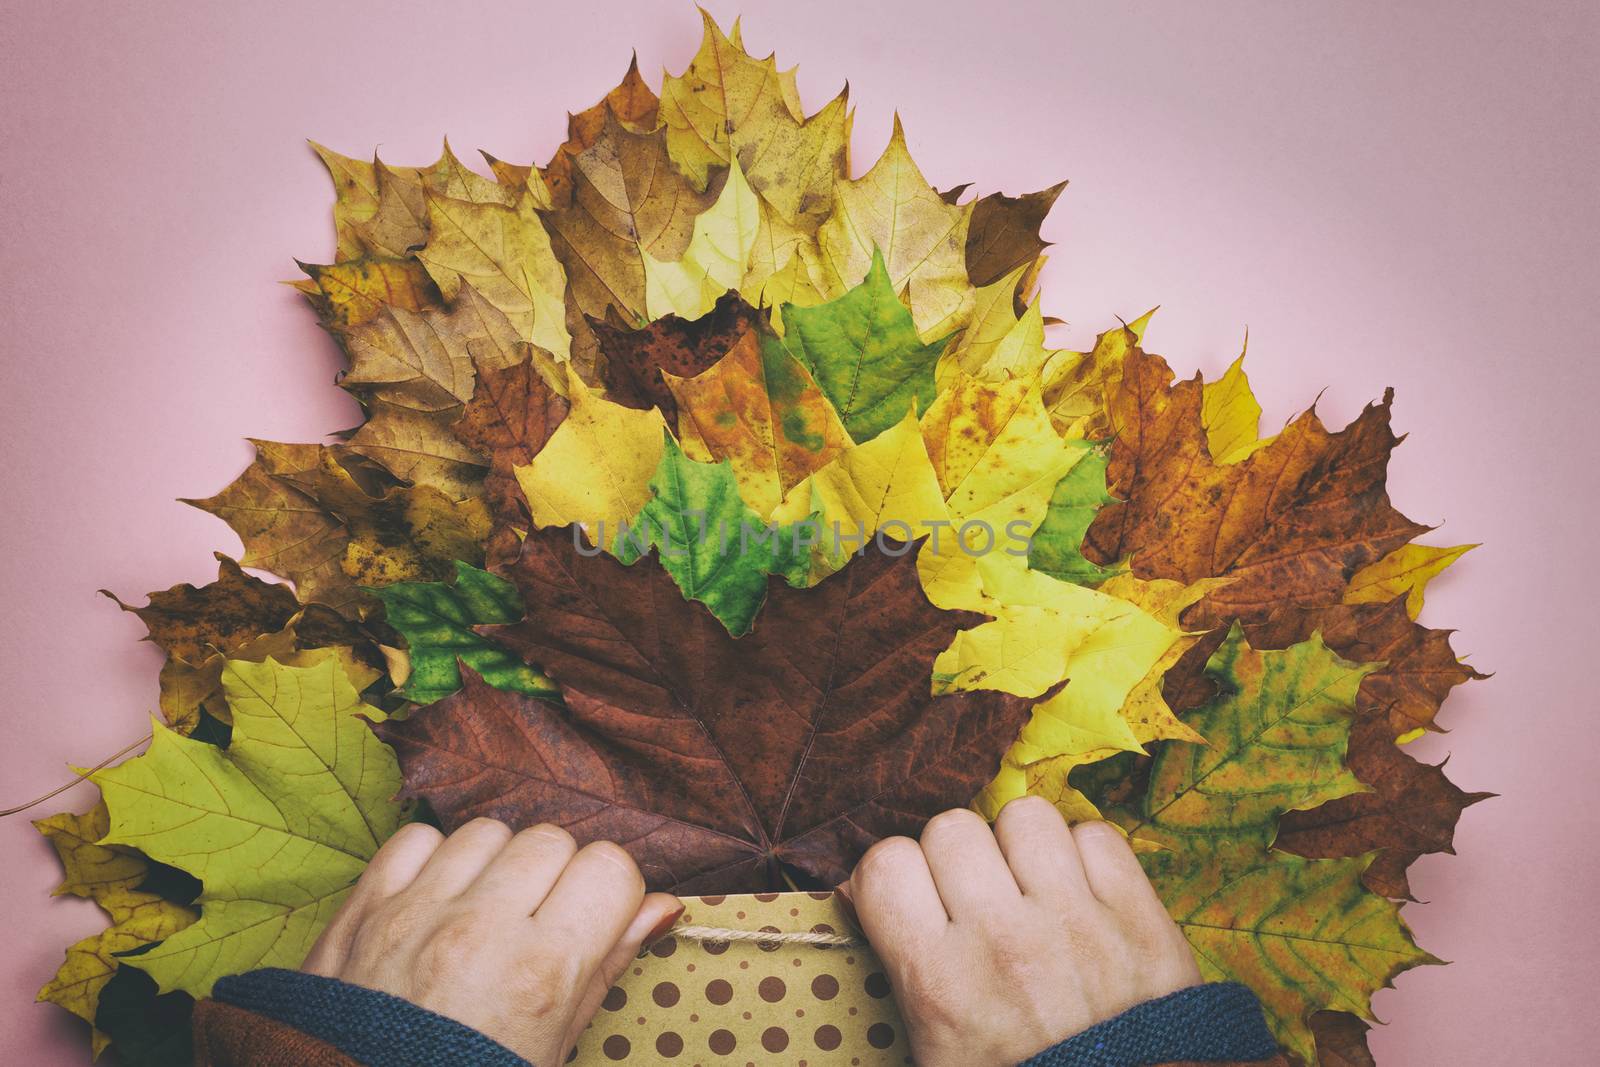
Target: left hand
point(515, 935)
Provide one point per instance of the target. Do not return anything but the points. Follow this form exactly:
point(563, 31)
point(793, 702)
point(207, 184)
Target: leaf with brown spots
point(194, 622)
point(728, 105)
point(331, 520)
point(720, 764)
point(1289, 525)
point(1080, 387)
point(634, 360)
point(355, 291)
point(760, 409)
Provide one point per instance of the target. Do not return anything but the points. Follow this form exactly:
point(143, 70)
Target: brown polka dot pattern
point(723, 1004)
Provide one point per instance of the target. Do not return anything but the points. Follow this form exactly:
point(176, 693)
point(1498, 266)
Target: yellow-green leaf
point(277, 826)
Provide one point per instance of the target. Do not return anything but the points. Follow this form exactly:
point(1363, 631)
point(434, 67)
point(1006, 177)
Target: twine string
point(780, 937)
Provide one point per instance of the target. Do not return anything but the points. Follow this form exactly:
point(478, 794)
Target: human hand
point(518, 937)
point(1001, 944)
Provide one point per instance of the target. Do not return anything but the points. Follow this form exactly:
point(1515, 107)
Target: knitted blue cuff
point(1220, 1022)
point(370, 1027)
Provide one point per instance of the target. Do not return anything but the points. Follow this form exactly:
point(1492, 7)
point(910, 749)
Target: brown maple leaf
point(1005, 233)
point(512, 413)
point(625, 201)
point(1412, 808)
point(193, 622)
point(1341, 1040)
point(634, 359)
point(632, 102)
point(1289, 525)
point(721, 764)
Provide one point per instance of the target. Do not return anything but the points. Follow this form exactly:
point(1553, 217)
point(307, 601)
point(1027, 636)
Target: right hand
point(517, 936)
point(1001, 944)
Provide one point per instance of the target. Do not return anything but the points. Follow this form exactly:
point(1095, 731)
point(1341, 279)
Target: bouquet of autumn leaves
point(983, 568)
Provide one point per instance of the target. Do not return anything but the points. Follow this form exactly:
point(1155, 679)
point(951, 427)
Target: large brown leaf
point(632, 360)
point(720, 764)
point(1289, 525)
point(1341, 1040)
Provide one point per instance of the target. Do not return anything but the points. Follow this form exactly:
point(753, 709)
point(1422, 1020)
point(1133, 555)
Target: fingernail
point(848, 906)
point(660, 929)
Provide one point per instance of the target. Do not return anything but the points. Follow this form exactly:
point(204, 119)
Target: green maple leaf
point(277, 826)
point(1057, 545)
point(1304, 934)
point(716, 548)
point(438, 620)
point(864, 351)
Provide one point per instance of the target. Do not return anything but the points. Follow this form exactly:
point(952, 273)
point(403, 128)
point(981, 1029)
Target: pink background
point(1387, 194)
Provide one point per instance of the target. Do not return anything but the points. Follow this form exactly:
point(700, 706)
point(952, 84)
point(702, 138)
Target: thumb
point(656, 914)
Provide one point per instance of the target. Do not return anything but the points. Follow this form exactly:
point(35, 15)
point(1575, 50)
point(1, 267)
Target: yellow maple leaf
point(595, 470)
point(1078, 386)
point(1231, 415)
point(1084, 724)
point(997, 341)
point(504, 252)
point(729, 107)
point(887, 481)
point(110, 876)
point(923, 240)
point(1404, 572)
point(716, 259)
point(997, 459)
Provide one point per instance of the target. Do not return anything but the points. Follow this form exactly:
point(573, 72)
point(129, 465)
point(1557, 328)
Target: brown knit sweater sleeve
point(227, 1036)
